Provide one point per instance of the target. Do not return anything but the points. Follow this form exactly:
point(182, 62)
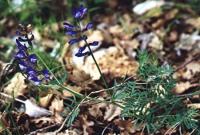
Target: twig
point(142, 130)
point(63, 124)
point(10, 97)
point(190, 94)
point(105, 129)
point(42, 129)
point(169, 131)
point(187, 62)
point(4, 71)
point(180, 131)
point(87, 97)
point(192, 131)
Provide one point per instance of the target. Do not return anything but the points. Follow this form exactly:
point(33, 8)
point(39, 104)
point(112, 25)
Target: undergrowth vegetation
point(147, 99)
point(150, 102)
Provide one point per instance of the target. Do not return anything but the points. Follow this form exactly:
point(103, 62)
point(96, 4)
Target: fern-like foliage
point(150, 101)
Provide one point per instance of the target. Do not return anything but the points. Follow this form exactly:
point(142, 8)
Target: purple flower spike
point(20, 54)
point(32, 58)
point(35, 80)
point(22, 66)
point(78, 31)
point(80, 12)
point(27, 63)
point(31, 72)
point(46, 73)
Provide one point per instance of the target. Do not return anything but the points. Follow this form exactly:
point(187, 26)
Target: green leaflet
point(150, 102)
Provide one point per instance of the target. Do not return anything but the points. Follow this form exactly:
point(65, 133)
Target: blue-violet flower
point(76, 31)
point(27, 63)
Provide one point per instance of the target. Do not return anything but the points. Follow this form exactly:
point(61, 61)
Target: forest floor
point(171, 33)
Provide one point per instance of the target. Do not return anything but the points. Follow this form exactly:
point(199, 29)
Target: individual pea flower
point(27, 63)
point(79, 12)
point(77, 31)
point(81, 52)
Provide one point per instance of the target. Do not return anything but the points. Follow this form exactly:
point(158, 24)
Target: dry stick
point(170, 130)
point(105, 129)
point(192, 131)
point(63, 124)
point(42, 129)
point(88, 97)
point(187, 62)
point(190, 94)
point(10, 97)
point(4, 71)
point(142, 130)
point(180, 132)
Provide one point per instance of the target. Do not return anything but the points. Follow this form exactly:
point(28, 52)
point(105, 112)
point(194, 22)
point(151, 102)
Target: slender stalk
point(61, 85)
point(10, 97)
point(102, 77)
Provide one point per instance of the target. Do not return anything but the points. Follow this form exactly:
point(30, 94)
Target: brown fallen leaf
point(189, 42)
point(16, 86)
point(45, 101)
point(75, 88)
point(95, 110)
point(57, 105)
point(96, 34)
point(85, 125)
point(194, 22)
point(66, 132)
point(191, 69)
point(156, 43)
point(126, 126)
point(42, 122)
point(194, 105)
point(111, 112)
point(112, 61)
point(182, 87)
point(116, 30)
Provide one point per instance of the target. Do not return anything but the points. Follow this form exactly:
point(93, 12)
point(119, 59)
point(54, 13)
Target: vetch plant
point(31, 63)
point(77, 34)
point(27, 62)
point(150, 102)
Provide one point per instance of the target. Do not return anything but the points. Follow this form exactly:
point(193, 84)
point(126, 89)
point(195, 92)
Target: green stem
point(61, 85)
point(102, 77)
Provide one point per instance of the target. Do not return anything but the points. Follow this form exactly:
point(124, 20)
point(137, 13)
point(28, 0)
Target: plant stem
point(102, 77)
point(61, 85)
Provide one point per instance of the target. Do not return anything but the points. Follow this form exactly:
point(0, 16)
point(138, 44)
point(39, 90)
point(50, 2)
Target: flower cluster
point(77, 31)
point(27, 63)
